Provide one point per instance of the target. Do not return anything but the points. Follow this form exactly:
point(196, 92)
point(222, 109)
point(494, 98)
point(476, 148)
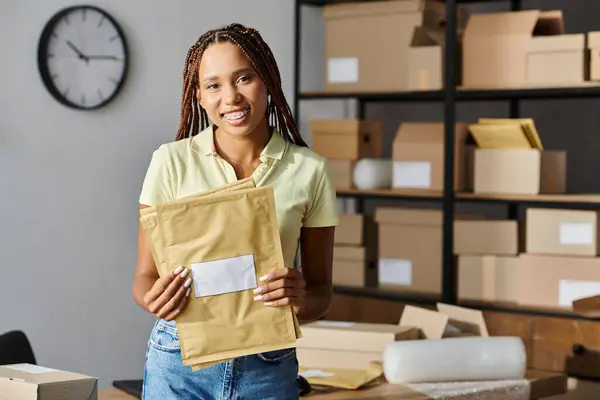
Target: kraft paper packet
point(227, 240)
point(150, 223)
point(342, 378)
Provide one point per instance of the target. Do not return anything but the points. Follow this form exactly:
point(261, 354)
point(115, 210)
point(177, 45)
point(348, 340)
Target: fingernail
point(178, 270)
point(257, 298)
point(258, 289)
point(264, 277)
point(268, 303)
point(187, 292)
point(184, 273)
point(187, 283)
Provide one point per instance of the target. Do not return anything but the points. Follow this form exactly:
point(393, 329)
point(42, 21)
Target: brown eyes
point(241, 79)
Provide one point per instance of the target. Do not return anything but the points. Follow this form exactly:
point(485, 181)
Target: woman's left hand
point(284, 286)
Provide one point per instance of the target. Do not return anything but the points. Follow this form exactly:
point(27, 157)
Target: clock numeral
point(83, 10)
point(100, 95)
point(112, 39)
point(50, 55)
point(101, 21)
point(66, 92)
point(113, 80)
point(54, 76)
point(67, 19)
point(83, 99)
point(54, 35)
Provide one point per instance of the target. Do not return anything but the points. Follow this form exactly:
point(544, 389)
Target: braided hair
point(194, 117)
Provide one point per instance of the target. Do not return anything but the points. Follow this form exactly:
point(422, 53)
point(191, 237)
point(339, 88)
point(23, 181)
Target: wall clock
point(83, 57)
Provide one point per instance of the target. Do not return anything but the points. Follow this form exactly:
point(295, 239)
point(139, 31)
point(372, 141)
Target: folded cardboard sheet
point(228, 238)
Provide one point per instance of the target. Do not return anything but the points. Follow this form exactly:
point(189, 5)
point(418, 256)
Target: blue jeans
point(264, 376)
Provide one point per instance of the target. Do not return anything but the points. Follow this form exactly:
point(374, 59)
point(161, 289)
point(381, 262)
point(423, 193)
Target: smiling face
point(232, 93)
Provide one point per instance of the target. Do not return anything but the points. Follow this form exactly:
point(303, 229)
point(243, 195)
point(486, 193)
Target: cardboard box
point(593, 45)
point(556, 281)
point(426, 60)
point(446, 321)
point(418, 156)
point(348, 139)
point(410, 249)
point(556, 60)
point(34, 382)
point(495, 46)
point(353, 266)
point(519, 171)
point(340, 344)
point(562, 232)
point(342, 173)
point(488, 278)
point(367, 43)
point(355, 229)
point(486, 237)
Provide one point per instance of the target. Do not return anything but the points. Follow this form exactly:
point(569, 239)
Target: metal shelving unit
point(449, 96)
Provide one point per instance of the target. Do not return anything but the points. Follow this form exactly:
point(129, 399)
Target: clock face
point(82, 57)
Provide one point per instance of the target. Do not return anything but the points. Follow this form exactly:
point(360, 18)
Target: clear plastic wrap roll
point(455, 359)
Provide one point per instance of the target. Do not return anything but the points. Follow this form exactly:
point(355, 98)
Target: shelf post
point(448, 267)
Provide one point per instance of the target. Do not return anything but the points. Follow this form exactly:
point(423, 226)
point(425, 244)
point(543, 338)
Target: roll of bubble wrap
point(455, 359)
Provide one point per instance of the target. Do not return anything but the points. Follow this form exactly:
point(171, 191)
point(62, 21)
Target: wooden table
point(543, 384)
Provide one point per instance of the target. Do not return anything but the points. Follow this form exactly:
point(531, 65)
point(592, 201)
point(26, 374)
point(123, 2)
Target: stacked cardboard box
point(355, 251)
point(343, 142)
point(509, 159)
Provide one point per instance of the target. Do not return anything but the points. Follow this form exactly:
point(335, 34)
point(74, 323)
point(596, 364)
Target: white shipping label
point(336, 324)
point(342, 70)
point(412, 174)
point(224, 276)
point(30, 368)
point(315, 373)
point(576, 233)
point(395, 271)
point(569, 290)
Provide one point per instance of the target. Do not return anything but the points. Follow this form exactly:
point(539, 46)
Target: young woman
point(231, 78)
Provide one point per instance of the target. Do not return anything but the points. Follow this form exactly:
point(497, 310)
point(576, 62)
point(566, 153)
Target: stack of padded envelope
point(228, 237)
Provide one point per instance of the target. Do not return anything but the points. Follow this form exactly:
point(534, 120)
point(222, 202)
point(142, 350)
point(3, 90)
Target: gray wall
point(69, 181)
point(570, 125)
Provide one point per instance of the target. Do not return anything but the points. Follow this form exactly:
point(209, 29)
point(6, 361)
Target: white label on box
point(569, 290)
point(30, 368)
point(316, 373)
point(395, 271)
point(337, 324)
point(412, 174)
point(342, 70)
point(576, 233)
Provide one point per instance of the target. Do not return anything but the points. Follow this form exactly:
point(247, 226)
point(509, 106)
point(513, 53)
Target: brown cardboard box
point(350, 229)
point(348, 139)
point(593, 45)
point(447, 321)
point(495, 46)
point(410, 249)
point(426, 60)
point(34, 382)
point(488, 278)
point(519, 171)
point(556, 60)
point(555, 281)
point(562, 232)
point(353, 266)
point(340, 344)
point(486, 237)
point(358, 39)
point(342, 173)
point(418, 156)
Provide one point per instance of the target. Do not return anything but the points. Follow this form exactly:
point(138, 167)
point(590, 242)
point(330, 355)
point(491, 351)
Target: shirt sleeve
point(157, 185)
point(323, 211)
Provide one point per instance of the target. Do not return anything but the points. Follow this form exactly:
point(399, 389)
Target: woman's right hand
point(169, 295)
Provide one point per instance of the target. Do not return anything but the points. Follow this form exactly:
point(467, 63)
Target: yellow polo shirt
point(304, 192)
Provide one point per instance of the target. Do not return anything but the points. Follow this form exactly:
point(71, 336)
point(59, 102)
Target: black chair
point(15, 349)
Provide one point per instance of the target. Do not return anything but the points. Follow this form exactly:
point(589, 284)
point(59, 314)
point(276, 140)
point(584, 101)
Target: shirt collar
point(205, 143)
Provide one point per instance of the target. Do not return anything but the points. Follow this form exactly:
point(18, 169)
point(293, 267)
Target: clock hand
point(76, 50)
point(102, 58)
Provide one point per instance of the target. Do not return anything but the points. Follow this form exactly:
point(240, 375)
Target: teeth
point(235, 115)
